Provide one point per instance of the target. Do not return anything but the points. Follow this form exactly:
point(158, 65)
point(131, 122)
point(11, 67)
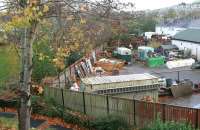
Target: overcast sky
point(151, 4)
point(156, 4)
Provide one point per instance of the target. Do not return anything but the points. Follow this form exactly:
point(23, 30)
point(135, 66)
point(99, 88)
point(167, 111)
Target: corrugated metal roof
point(191, 35)
point(117, 79)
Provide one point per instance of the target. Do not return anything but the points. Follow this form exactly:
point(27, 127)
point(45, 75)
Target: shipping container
point(125, 86)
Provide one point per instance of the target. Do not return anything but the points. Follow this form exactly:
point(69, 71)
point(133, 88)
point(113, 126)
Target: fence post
point(70, 71)
point(163, 112)
point(197, 119)
point(84, 109)
point(59, 80)
point(65, 78)
point(107, 101)
point(63, 101)
point(178, 76)
point(134, 112)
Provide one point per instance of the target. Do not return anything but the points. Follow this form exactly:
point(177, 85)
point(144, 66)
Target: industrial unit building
point(188, 40)
point(135, 86)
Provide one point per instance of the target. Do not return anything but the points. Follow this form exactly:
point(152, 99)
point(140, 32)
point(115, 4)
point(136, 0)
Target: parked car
point(196, 65)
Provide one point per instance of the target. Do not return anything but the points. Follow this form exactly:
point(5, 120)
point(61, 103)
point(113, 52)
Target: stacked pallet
point(109, 65)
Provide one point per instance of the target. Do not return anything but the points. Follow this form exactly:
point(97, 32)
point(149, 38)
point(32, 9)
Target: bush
point(46, 107)
point(159, 125)
point(11, 103)
point(111, 122)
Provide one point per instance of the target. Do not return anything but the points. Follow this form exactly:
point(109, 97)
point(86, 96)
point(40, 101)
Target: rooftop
point(191, 35)
point(117, 79)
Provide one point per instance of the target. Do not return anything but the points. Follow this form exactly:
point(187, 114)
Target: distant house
point(188, 39)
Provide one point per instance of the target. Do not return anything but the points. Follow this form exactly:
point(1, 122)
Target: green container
point(126, 58)
point(155, 61)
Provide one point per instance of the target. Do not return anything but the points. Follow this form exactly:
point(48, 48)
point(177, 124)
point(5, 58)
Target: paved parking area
point(163, 71)
point(191, 101)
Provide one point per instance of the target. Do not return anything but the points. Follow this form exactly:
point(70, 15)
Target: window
point(111, 91)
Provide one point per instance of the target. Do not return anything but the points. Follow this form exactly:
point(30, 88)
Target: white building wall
point(183, 45)
point(171, 31)
point(149, 34)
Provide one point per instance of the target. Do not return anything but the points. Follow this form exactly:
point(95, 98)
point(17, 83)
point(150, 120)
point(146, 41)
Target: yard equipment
point(124, 54)
point(155, 61)
point(143, 52)
point(109, 65)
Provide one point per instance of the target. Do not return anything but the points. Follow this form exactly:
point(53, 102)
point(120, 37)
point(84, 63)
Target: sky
point(156, 4)
point(151, 4)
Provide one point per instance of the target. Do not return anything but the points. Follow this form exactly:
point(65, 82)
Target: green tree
point(26, 17)
point(140, 25)
point(171, 14)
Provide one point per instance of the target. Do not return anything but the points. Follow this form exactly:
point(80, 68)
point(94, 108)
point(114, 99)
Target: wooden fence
point(135, 112)
point(64, 78)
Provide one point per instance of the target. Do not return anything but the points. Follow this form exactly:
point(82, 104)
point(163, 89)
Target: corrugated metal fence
point(135, 112)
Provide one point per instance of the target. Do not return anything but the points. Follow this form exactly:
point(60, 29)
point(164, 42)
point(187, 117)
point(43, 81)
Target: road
point(184, 73)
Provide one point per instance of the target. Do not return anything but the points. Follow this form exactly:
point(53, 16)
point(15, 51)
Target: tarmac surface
point(163, 71)
point(192, 101)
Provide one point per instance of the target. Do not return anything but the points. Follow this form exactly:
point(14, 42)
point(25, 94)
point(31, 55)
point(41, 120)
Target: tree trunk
point(25, 82)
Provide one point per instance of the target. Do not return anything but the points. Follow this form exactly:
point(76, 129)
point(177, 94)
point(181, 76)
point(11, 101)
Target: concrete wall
point(183, 45)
